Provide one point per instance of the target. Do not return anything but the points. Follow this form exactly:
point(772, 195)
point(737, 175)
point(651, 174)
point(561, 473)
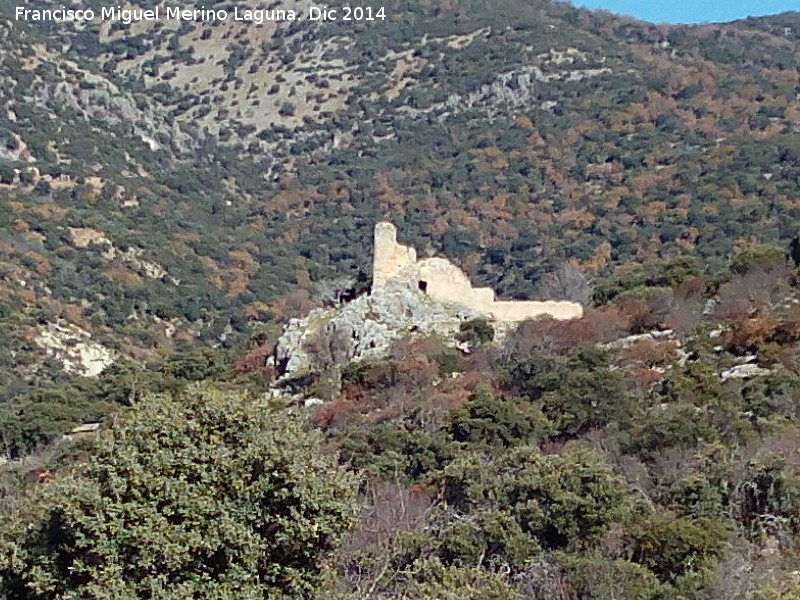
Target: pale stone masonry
point(442, 280)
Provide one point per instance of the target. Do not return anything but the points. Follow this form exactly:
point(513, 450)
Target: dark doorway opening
point(423, 286)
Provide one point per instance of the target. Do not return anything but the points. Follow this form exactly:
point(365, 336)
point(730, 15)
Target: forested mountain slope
point(172, 193)
point(168, 184)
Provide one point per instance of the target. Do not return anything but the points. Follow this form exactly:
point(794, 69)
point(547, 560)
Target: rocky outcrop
point(745, 371)
point(632, 340)
point(365, 328)
point(74, 349)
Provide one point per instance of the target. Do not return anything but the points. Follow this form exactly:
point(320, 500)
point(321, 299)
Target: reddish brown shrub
point(552, 337)
point(296, 303)
point(390, 509)
point(574, 332)
point(537, 336)
point(642, 377)
point(416, 346)
point(416, 373)
point(469, 382)
point(256, 362)
point(787, 331)
point(610, 323)
point(333, 415)
point(650, 353)
point(645, 315)
point(749, 334)
point(552, 446)
point(692, 288)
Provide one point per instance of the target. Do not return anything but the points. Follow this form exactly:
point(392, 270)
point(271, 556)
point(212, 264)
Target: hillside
point(186, 218)
point(168, 185)
point(645, 450)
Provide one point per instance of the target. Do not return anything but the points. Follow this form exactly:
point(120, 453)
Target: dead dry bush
point(334, 415)
point(749, 334)
point(609, 323)
point(746, 295)
point(742, 571)
point(412, 385)
point(256, 362)
point(364, 563)
point(569, 282)
point(390, 509)
point(680, 310)
point(650, 353)
point(693, 288)
point(644, 314)
point(674, 464)
point(642, 378)
point(684, 314)
point(295, 304)
point(416, 373)
point(550, 337)
point(783, 445)
point(787, 330)
point(407, 347)
point(545, 579)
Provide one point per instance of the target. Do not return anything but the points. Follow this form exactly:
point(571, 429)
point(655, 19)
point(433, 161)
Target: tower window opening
point(423, 286)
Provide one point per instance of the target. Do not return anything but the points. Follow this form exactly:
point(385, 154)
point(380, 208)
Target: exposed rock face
point(365, 328)
point(74, 349)
point(745, 371)
point(83, 237)
point(631, 340)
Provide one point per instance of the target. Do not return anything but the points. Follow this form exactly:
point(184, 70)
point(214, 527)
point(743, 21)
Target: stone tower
point(389, 257)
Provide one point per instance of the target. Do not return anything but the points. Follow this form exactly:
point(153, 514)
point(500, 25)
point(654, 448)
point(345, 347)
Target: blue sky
point(692, 11)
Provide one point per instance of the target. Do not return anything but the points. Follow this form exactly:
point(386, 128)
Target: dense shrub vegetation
point(202, 496)
point(649, 172)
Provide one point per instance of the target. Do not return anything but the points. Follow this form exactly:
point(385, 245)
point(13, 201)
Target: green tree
point(557, 499)
point(476, 332)
point(671, 546)
point(438, 582)
point(787, 591)
point(577, 393)
point(491, 421)
point(654, 274)
point(596, 576)
point(209, 496)
point(763, 257)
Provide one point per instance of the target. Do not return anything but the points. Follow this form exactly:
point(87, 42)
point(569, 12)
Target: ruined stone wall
point(510, 310)
point(442, 280)
point(446, 282)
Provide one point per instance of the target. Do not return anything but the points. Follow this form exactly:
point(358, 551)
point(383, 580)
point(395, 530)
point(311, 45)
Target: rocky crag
point(365, 328)
point(409, 298)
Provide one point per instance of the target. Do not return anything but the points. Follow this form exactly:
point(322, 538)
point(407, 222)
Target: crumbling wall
point(442, 280)
point(446, 282)
point(519, 310)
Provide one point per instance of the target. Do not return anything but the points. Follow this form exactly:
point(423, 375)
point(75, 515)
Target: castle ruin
point(442, 280)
